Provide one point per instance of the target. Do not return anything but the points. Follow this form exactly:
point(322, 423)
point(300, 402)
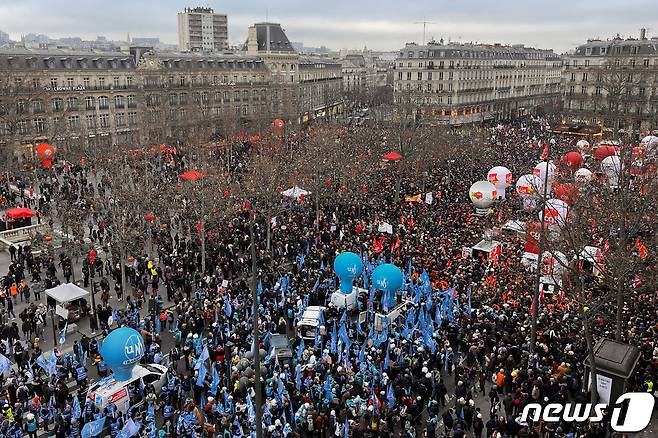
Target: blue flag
point(202, 375)
point(215, 380)
point(298, 377)
point(227, 307)
point(93, 428)
point(390, 396)
point(62, 333)
point(300, 350)
point(77, 411)
point(468, 304)
point(387, 359)
point(202, 357)
point(260, 287)
point(317, 283)
point(346, 428)
point(334, 341)
point(322, 265)
point(131, 428)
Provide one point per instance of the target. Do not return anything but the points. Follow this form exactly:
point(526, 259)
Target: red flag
point(544, 154)
point(500, 216)
point(606, 246)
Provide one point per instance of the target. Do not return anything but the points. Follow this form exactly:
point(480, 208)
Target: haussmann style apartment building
point(457, 83)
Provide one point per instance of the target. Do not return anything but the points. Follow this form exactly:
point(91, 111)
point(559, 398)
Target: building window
point(40, 125)
point(583, 90)
point(73, 122)
point(37, 106)
point(72, 103)
point(105, 120)
point(53, 82)
point(429, 75)
point(597, 91)
point(85, 82)
point(58, 104)
point(90, 120)
point(399, 75)
point(21, 127)
point(181, 81)
point(132, 103)
point(120, 119)
point(70, 82)
point(129, 81)
point(118, 101)
point(115, 81)
point(584, 77)
point(90, 103)
point(103, 102)
point(132, 118)
point(101, 82)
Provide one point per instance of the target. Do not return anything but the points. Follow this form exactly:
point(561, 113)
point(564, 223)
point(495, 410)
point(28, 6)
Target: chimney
point(252, 40)
point(643, 33)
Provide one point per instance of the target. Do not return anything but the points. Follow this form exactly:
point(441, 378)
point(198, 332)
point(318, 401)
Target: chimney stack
point(643, 33)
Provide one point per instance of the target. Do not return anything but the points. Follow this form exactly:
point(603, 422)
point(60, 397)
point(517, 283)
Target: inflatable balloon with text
point(388, 278)
point(347, 266)
point(121, 350)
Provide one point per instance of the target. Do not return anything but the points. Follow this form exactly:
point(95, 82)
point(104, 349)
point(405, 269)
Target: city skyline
point(379, 25)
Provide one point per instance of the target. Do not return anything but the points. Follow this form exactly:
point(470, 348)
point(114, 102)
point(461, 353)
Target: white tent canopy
point(67, 292)
point(295, 192)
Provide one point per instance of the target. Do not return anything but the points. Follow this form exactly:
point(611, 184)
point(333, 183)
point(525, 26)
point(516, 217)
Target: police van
point(108, 390)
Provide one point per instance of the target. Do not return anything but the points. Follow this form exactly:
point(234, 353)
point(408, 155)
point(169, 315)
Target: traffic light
point(95, 286)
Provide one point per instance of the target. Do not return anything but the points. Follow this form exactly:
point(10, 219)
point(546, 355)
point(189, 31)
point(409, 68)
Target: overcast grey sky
point(379, 24)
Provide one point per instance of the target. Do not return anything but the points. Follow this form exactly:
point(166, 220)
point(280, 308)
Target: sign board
point(123, 392)
point(59, 310)
point(224, 284)
point(603, 387)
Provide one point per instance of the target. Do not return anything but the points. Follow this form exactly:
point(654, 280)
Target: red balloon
point(46, 152)
point(567, 192)
point(573, 160)
point(605, 151)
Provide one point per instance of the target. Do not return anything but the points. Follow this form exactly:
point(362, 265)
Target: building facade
point(461, 83)
point(303, 88)
point(68, 97)
point(613, 83)
point(201, 29)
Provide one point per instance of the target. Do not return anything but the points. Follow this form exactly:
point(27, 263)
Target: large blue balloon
point(348, 266)
point(387, 278)
point(122, 349)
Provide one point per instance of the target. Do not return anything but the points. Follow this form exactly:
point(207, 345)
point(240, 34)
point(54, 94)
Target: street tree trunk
point(594, 395)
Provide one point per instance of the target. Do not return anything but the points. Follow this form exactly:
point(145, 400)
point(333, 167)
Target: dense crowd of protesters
point(461, 369)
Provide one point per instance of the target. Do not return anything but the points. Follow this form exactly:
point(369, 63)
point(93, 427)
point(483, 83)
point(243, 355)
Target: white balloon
point(611, 168)
point(482, 194)
point(540, 172)
point(500, 176)
point(528, 186)
point(583, 146)
point(582, 175)
point(556, 212)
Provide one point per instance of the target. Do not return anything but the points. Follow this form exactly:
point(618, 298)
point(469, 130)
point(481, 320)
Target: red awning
point(19, 213)
point(392, 156)
point(191, 175)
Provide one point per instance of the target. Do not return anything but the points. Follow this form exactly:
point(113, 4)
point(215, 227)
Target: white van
point(309, 323)
point(108, 390)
